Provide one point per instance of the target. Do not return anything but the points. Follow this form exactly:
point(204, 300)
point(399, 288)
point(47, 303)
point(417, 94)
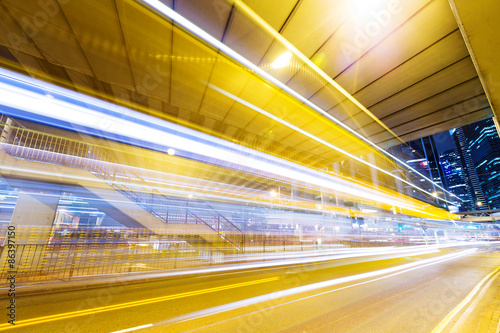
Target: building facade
point(484, 149)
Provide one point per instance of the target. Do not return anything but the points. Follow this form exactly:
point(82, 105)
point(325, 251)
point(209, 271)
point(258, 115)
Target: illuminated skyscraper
point(468, 168)
point(483, 146)
point(423, 157)
point(455, 180)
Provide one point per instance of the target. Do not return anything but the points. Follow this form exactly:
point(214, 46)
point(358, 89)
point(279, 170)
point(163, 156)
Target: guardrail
point(47, 253)
point(64, 253)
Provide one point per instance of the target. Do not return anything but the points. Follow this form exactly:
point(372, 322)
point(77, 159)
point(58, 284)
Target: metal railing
point(64, 253)
point(31, 145)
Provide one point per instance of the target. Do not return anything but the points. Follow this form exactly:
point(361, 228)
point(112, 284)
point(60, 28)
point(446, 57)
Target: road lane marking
point(133, 328)
point(39, 320)
point(321, 327)
point(380, 275)
point(471, 307)
point(460, 306)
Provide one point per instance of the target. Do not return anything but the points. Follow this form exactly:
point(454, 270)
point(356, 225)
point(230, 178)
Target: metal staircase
point(23, 143)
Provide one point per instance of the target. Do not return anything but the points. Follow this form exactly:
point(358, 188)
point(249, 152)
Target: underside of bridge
point(404, 68)
point(327, 84)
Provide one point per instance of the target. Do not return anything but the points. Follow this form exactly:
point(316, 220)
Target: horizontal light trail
point(176, 17)
point(67, 315)
point(380, 274)
point(301, 259)
point(133, 328)
point(207, 190)
point(89, 114)
point(241, 5)
point(315, 138)
point(295, 258)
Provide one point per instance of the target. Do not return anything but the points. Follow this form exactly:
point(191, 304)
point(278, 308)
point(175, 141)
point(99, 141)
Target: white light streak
point(315, 138)
point(171, 14)
point(378, 275)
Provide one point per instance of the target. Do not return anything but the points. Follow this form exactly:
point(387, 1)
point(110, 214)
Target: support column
point(32, 218)
point(37, 210)
point(6, 132)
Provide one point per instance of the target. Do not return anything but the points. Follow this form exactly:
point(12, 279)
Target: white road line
point(466, 314)
point(133, 328)
point(461, 305)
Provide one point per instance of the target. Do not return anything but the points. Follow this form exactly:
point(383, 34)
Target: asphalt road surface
point(415, 293)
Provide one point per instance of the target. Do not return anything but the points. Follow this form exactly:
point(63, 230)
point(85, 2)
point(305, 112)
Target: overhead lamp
point(283, 60)
point(171, 151)
point(273, 193)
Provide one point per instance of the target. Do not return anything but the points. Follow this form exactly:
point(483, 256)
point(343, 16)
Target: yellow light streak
point(101, 309)
point(243, 7)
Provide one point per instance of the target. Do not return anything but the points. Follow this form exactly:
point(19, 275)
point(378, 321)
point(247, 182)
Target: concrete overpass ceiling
point(404, 60)
point(478, 24)
point(168, 73)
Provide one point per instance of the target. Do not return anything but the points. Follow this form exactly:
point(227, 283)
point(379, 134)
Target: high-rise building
point(454, 180)
point(468, 167)
point(423, 157)
point(470, 170)
point(484, 149)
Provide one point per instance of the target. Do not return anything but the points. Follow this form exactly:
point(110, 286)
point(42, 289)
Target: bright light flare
point(283, 60)
point(362, 10)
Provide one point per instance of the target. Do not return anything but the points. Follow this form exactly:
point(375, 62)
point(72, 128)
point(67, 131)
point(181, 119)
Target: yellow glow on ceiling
point(283, 60)
point(365, 10)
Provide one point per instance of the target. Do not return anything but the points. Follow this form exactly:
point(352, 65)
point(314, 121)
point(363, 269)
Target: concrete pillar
point(37, 210)
point(6, 132)
point(32, 218)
